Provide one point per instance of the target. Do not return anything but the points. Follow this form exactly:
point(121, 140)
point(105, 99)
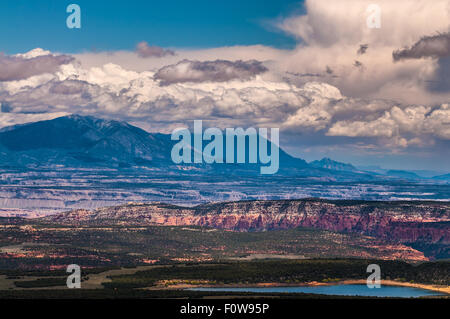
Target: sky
point(341, 79)
point(119, 25)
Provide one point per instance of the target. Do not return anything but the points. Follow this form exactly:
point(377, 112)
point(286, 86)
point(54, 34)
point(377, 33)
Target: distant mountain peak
point(77, 116)
point(92, 120)
point(76, 140)
point(402, 174)
point(328, 163)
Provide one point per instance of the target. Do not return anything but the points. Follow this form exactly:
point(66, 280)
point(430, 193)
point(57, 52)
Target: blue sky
point(118, 25)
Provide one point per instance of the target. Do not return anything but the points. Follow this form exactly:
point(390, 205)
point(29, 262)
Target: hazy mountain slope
point(402, 174)
point(333, 165)
point(445, 177)
point(81, 141)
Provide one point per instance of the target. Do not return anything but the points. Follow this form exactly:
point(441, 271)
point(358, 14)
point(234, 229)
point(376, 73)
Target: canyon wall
point(405, 222)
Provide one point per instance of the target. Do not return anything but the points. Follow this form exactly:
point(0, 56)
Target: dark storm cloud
point(362, 49)
point(329, 70)
point(209, 71)
point(437, 46)
point(14, 68)
point(441, 81)
point(305, 74)
point(146, 51)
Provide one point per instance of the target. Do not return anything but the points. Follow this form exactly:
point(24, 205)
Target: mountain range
point(85, 141)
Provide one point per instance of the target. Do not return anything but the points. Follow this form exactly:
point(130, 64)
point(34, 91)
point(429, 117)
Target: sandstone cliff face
point(405, 222)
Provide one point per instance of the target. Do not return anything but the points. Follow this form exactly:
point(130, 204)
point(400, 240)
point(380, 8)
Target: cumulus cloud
point(313, 108)
point(345, 22)
point(20, 67)
point(402, 126)
point(209, 71)
point(335, 33)
point(329, 34)
point(146, 51)
point(437, 46)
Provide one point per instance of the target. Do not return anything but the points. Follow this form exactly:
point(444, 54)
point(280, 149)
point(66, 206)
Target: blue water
point(339, 290)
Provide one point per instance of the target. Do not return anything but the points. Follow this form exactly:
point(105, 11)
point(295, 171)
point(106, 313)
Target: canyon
point(416, 223)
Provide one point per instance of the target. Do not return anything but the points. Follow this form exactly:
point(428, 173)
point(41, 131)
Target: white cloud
point(344, 22)
point(332, 32)
point(112, 91)
point(209, 71)
point(399, 124)
point(36, 62)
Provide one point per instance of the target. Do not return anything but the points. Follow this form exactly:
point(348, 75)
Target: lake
point(340, 290)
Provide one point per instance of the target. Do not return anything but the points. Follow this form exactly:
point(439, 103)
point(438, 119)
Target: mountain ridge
point(333, 165)
point(85, 141)
point(77, 141)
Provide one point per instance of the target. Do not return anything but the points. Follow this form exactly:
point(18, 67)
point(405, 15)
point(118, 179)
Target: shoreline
point(437, 288)
point(445, 290)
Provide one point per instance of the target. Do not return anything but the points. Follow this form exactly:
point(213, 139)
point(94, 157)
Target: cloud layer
point(336, 34)
point(209, 71)
point(20, 67)
point(146, 51)
point(315, 107)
